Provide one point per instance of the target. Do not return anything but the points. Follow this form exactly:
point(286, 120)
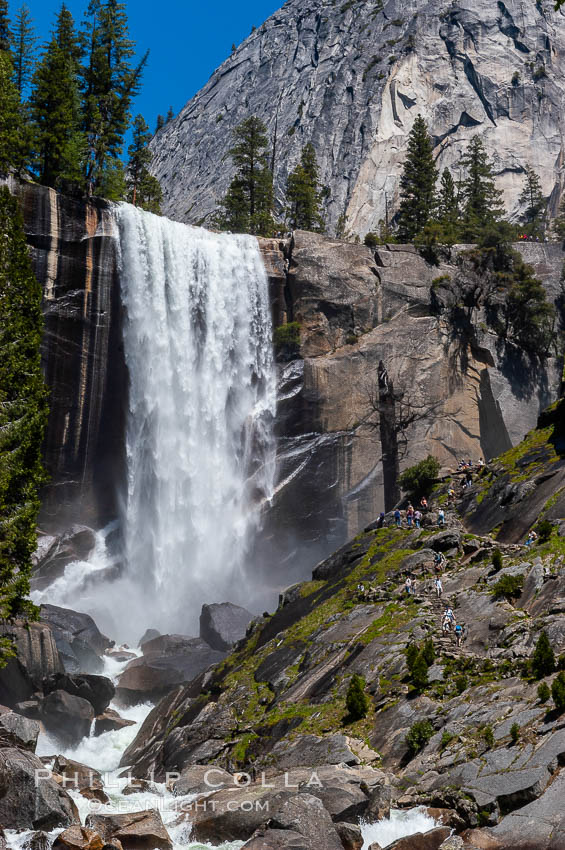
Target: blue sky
point(188, 39)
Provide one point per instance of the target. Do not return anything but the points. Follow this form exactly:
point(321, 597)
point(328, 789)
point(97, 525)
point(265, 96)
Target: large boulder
point(431, 840)
point(79, 640)
point(54, 553)
point(202, 778)
point(97, 690)
point(307, 816)
point(29, 797)
point(67, 717)
point(312, 750)
point(223, 624)
point(178, 660)
point(78, 838)
point(17, 730)
point(36, 657)
point(276, 839)
point(79, 777)
point(110, 721)
point(234, 814)
point(135, 831)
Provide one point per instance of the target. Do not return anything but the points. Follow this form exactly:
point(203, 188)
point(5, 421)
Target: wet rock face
point(223, 624)
point(27, 804)
point(80, 642)
point(37, 658)
point(351, 78)
point(356, 308)
point(73, 250)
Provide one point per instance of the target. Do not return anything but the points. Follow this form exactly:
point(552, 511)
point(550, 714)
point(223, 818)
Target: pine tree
point(170, 114)
point(534, 202)
point(559, 221)
point(160, 123)
point(110, 83)
point(247, 206)
point(543, 659)
point(23, 41)
point(5, 31)
point(55, 107)
point(356, 700)
point(483, 201)
point(11, 152)
point(139, 156)
point(23, 411)
point(530, 317)
point(303, 194)
point(417, 183)
point(448, 207)
point(143, 188)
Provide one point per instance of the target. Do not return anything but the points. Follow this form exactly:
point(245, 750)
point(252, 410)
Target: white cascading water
point(200, 453)
point(200, 450)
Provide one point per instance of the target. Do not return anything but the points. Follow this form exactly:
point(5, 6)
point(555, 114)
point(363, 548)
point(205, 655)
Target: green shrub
point(543, 692)
point(428, 652)
point(509, 587)
point(497, 559)
point(543, 659)
point(561, 662)
point(558, 691)
point(418, 736)
point(357, 701)
point(372, 240)
point(420, 478)
point(446, 740)
point(411, 652)
point(287, 340)
point(419, 673)
point(544, 530)
point(515, 733)
point(461, 683)
point(516, 78)
point(488, 737)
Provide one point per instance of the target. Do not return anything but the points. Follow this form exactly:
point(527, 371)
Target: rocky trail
point(469, 757)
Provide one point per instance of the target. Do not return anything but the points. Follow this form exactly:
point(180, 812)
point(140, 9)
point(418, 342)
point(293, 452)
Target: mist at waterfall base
point(199, 443)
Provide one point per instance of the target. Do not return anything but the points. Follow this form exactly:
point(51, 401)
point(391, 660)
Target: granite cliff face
point(350, 77)
point(355, 308)
point(73, 251)
point(473, 394)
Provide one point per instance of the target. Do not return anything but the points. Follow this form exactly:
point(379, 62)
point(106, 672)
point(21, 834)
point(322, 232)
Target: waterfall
point(200, 451)
point(199, 445)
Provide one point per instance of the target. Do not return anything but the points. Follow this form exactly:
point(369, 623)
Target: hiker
point(424, 504)
point(459, 633)
point(450, 496)
point(398, 518)
point(438, 562)
point(441, 518)
point(481, 463)
point(408, 585)
point(418, 519)
point(381, 520)
point(448, 619)
point(409, 515)
point(439, 587)
point(532, 537)
point(469, 479)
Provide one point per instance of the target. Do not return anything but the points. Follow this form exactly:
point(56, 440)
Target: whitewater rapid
point(200, 454)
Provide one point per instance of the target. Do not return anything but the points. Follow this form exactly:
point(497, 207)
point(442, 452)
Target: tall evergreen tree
point(110, 84)
point(303, 194)
point(417, 183)
point(448, 206)
point(170, 114)
point(11, 128)
point(143, 188)
point(532, 199)
point(23, 411)
point(247, 206)
point(160, 123)
point(23, 41)
point(5, 31)
point(483, 204)
point(55, 107)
